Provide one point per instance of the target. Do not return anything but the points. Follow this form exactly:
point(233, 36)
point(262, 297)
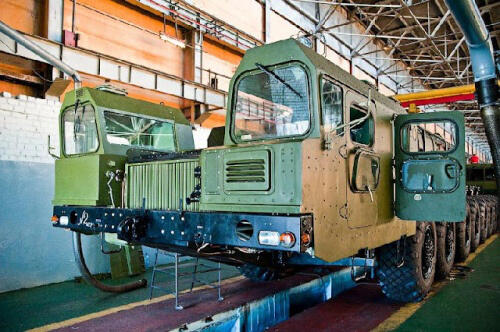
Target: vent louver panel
point(247, 170)
point(162, 185)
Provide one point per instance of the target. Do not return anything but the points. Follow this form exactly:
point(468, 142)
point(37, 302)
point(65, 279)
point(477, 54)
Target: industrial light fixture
point(171, 40)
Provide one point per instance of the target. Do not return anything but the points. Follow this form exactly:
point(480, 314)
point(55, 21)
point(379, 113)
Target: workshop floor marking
point(405, 312)
point(129, 306)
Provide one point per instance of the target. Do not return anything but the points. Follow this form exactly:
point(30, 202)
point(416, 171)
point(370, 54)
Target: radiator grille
point(162, 184)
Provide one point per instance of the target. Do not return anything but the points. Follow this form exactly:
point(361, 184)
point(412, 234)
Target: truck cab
point(98, 127)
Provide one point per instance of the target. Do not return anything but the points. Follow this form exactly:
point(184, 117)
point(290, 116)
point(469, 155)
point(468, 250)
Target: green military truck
point(481, 178)
point(317, 168)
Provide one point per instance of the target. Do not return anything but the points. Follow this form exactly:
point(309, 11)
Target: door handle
point(452, 171)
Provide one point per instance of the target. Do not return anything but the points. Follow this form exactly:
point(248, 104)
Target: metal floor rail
point(199, 268)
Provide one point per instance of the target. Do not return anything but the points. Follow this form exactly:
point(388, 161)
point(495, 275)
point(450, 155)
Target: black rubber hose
point(84, 270)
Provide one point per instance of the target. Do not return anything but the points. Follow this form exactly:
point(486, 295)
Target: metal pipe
point(84, 270)
point(21, 39)
point(468, 17)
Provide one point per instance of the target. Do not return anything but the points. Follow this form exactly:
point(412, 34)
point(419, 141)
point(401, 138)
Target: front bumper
point(183, 228)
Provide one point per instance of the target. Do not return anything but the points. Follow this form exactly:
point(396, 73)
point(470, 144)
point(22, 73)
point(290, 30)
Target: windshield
point(272, 103)
point(80, 130)
point(144, 133)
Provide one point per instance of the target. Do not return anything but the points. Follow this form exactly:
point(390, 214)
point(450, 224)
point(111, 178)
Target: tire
point(258, 273)
point(463, 230)
point(494, 213)
point(482, 217)
point(413, 280)
point(487, 217)
point(491, 213)
point(475, 224)
point(446, 249)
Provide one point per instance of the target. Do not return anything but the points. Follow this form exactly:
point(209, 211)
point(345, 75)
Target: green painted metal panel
point(281, 190)
point(247, 170)
point(82, 180)
point(211, 180)
point(430, 184)
point(162, 185)
point(128, 262)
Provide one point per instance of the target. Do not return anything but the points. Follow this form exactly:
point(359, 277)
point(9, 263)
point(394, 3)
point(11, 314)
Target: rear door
point(430, 166)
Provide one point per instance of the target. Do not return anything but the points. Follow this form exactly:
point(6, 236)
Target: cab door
point(430, 166)
point(362, 162)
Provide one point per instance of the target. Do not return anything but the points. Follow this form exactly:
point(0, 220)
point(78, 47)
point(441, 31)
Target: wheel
point(463, 230)
point(446, 248)
point(494, 217)
point(491, 215)
point(258, 273)
point(482, 216)
point(488, 217)
point(475, 224)
point(412, 280)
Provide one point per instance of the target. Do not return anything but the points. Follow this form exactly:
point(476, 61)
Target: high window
point(80, 130)
point(331, 105)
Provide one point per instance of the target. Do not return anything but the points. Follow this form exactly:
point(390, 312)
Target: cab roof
point(118, 102)
point(291, 49)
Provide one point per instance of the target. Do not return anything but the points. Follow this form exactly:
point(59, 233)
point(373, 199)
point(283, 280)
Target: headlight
point(269, 238)
point(63, 220)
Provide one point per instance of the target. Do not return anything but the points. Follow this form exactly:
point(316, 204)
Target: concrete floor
point(33, 307)
point(471, 303)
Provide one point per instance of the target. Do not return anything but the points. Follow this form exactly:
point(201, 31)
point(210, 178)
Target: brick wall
point(25, 123)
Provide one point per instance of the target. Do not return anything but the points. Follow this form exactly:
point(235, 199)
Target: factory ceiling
point(424, 36)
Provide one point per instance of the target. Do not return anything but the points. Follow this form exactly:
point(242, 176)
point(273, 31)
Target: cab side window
point(331, 105)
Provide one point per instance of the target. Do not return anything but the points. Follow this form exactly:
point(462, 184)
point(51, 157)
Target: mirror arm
point(360, 120)
point(50, 148)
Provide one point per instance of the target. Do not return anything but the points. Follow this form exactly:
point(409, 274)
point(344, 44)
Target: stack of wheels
point(407, 268)
point(475, 223)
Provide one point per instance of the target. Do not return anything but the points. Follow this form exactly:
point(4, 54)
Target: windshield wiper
point(77, 103)
point(279, 79)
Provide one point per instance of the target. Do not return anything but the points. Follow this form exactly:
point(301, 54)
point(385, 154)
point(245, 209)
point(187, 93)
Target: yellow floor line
point(76, 320)
point(405, 312)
